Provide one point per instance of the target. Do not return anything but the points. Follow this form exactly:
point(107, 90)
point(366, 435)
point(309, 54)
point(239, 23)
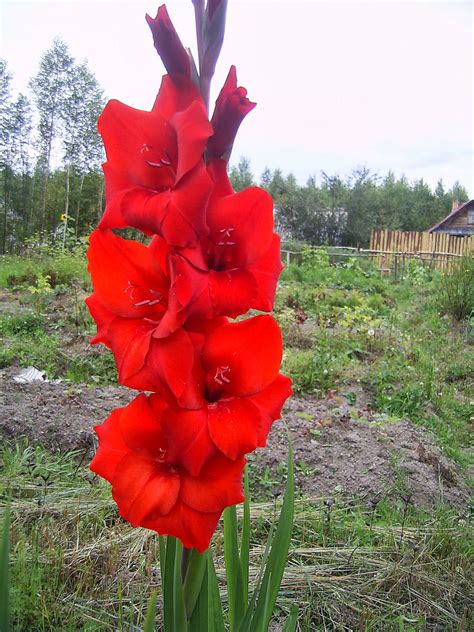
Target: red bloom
point(232, 106)
point(243, 394)
point(156, 179)
point(238, 265)
point(168, 45)
point(129, 305)
point(150, 489)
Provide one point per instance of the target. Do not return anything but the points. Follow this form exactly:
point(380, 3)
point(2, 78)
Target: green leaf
point(215, 614)
point(193, 580)
point(290, 623)
point(5, 572)
point(151, 612)
point(245, 625)
point(245, 541)
point(172, 583)
point(200, 617)
point(233, 569)
point(179, 612)
point(276, 562)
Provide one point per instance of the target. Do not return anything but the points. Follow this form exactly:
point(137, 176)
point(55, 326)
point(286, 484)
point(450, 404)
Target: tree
point(82, 145)
point(50, 90)
point(241, 176)
point(458, 192)
point(15, 128)
point(266, 178)
point(362, 205)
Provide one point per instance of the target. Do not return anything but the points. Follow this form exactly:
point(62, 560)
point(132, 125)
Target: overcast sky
point(387, 85)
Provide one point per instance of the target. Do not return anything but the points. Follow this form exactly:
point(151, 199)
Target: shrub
point(455, 293)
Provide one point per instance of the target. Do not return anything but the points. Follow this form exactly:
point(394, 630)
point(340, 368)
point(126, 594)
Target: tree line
point(52, 190)
point(51, 183)
point(343, 211)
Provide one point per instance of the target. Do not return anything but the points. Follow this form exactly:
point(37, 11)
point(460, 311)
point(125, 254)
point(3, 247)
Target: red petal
point(193, 528)
point(270, 402)
point(126, 277)
point(232, 293)
point(219, 485)
point(136, 142)
point(217, 169)
point(112, 447)
point(234, 426)
point(103, 317)
point(192, 131)
point(130, 342)
point(142, 488)
point(251, 349)
point(140, 427)
point(172, 359)
point(178, 214)
point(184, 221)
point(266, 271)
point(115, 186)
point(189, 443)
point(188, 295)
point(241, 227)
point(175, 94)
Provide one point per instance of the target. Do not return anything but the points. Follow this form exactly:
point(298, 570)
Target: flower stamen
point(220, 377)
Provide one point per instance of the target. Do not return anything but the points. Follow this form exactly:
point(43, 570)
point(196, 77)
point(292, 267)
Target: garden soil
point(341, 448)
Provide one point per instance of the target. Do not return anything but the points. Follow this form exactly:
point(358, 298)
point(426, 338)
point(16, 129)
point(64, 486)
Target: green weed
point(455, 290)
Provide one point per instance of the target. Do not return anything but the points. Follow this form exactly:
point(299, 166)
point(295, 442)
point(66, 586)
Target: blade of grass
point(5, 573)
point(290, 623)
point(151, 612)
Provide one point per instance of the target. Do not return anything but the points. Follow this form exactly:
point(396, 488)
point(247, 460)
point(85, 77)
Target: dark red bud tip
point(232, 106)
point(167, 43)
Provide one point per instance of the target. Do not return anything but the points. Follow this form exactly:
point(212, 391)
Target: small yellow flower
point(63, 217)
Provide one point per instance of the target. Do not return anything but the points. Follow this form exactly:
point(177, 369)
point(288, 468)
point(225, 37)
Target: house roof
point(451, 215)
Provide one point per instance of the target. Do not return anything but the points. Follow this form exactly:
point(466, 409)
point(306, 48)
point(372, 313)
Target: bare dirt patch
point(56, 416)
point(335, 451)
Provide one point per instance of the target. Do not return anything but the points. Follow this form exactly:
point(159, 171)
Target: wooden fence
point(390, 250)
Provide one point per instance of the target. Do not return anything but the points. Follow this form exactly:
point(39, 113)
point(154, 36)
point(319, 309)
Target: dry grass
point(77, 565)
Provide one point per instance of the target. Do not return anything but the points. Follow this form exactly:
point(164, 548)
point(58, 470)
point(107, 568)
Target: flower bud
point(168, 45)
point(232, 106)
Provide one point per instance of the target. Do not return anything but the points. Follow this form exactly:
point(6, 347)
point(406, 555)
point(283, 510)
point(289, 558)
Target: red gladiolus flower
point(150, 489)
point(156, 179)
point(243, 394)
point(238, 265)
point(168, 45)
point(129, 305)
point(175, 458)
point(232, 106)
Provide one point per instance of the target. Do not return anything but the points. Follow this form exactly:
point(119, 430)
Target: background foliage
point(52, 190)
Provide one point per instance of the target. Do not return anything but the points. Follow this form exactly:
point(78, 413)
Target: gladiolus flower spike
point(175, 457)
